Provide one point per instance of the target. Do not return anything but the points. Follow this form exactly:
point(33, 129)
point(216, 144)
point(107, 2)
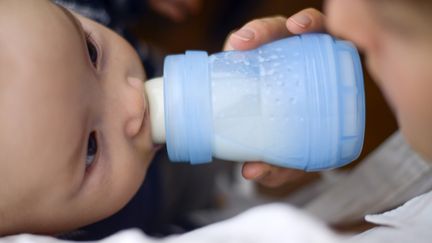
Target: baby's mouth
point(136, 126)
point(157, 147)
point(145, 119)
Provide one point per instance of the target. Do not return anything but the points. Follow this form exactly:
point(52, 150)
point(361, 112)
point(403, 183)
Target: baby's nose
point(135, 107)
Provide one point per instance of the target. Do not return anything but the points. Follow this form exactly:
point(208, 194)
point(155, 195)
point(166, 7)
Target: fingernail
point(244, 34)
point(301, 20)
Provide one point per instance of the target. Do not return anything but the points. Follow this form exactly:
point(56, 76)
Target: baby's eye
point(92, 148)
point(92, 50)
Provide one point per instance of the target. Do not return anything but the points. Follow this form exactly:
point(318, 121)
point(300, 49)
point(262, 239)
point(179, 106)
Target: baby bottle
point(297, 103)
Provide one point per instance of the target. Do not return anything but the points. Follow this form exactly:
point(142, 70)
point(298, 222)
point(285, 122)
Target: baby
point(75, 140)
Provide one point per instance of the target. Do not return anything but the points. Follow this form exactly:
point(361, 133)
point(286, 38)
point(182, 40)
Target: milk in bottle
point(296, 102)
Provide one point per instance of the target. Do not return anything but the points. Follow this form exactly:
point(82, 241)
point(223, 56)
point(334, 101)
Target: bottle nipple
point(155, 95)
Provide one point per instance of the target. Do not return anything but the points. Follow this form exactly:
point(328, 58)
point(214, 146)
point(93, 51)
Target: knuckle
point(312, 10)
point(279, 18)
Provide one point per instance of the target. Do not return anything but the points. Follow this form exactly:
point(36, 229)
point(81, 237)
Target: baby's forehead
point(36, 36)
point(43, 58)
point(37, 21)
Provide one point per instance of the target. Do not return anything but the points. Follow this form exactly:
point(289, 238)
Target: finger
point(307, 20)
point(257, 32)
point(255, 170)
point(191, 6)
point(169, 10)
point(280, 176)
point(269, 175)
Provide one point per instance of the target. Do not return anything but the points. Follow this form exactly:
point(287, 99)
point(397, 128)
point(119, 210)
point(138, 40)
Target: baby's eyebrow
point(74, 20)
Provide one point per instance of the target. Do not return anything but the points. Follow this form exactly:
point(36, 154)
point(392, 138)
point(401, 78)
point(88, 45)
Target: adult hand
point(176, 10)
point(252, 35)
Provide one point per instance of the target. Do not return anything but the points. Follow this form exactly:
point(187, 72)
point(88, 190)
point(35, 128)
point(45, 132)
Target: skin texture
point(53, 95)
point(395, 39)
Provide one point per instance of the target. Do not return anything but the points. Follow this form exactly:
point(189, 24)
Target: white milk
point(251, 122)
point(246, 124)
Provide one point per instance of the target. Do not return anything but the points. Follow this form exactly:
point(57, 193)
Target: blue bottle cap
point(188, 110)
point(336, 90)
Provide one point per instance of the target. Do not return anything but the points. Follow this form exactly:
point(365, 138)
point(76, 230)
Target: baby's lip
point(145, 144)
point(138, 123)
point(145, 121)
point(135, 127)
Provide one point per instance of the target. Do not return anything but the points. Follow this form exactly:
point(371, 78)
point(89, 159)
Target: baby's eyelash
point(92, 48)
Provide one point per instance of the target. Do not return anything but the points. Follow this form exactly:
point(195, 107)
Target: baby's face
point(75, 140)
point(398, 49)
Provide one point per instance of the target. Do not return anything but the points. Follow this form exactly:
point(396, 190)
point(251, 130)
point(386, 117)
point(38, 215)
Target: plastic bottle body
point(297, 102)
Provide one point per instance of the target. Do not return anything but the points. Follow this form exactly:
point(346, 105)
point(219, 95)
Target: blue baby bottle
point(297, 103)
